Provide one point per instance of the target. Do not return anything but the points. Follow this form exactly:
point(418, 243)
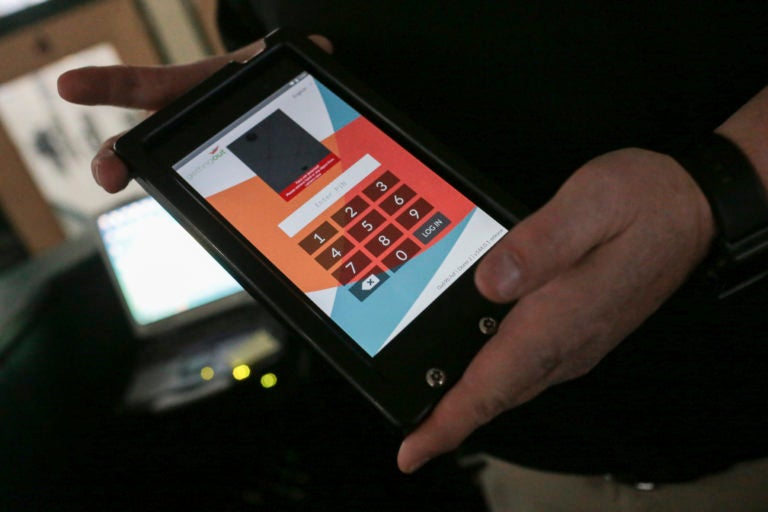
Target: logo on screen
point(215, 153)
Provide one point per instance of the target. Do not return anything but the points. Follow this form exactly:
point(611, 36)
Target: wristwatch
point(739, 204)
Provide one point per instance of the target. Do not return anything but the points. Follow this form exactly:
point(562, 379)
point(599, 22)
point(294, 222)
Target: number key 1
point(318, 237)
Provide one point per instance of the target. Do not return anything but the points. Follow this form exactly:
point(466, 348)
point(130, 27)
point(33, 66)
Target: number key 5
point(369, 223)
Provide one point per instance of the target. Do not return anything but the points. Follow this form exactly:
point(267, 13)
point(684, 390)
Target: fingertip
point(498, 276)
point(449, 423)
point(96, 169)
point(109, 172)
point(409, 461)
point(72, 85)
point(64, 84)
point(323, 42)
point(114, 185)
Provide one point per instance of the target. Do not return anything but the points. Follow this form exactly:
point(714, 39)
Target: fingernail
point(409, 468)
point(415, 467)
point(507, 276)
point(96, 166)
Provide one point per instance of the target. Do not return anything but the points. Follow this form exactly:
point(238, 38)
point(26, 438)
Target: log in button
point(430, 229)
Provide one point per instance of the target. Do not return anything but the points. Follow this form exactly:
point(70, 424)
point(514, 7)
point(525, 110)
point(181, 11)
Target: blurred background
point(129, 381)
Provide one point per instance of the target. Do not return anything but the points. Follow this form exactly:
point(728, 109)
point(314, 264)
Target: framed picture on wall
point(46, 188)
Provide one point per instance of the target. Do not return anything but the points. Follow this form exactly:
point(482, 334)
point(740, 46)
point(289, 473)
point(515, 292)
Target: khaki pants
point(510, 488)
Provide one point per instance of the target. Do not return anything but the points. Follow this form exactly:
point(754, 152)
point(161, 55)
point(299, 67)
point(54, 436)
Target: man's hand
point(617, 239)
point(141, 87)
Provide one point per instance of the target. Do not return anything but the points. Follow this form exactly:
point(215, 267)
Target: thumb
point(544, 244)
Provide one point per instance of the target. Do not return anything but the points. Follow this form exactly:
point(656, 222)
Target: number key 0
point(404, 252)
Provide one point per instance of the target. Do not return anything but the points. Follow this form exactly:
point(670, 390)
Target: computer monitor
point(165, 279)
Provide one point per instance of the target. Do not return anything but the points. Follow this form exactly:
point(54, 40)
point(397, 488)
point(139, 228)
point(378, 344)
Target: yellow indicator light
point(207, 373)
point(268, 380)
point(241, 372)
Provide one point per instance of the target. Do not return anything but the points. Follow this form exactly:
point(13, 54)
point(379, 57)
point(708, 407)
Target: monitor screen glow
point(160, 270)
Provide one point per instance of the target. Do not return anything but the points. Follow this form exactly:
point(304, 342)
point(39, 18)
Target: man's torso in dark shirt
point(527, 92)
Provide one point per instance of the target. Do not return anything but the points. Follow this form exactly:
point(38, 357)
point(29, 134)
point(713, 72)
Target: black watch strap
point(740, 208)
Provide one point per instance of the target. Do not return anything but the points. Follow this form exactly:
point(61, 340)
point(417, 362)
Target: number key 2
point(350, 211)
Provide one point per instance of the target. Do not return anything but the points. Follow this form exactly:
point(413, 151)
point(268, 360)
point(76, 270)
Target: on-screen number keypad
point(380, 224)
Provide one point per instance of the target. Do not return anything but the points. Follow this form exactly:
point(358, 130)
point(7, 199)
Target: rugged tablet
point(357, 229)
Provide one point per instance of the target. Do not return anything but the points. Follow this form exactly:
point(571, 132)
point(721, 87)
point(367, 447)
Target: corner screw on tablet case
point(488, 325)
point(436, 378)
